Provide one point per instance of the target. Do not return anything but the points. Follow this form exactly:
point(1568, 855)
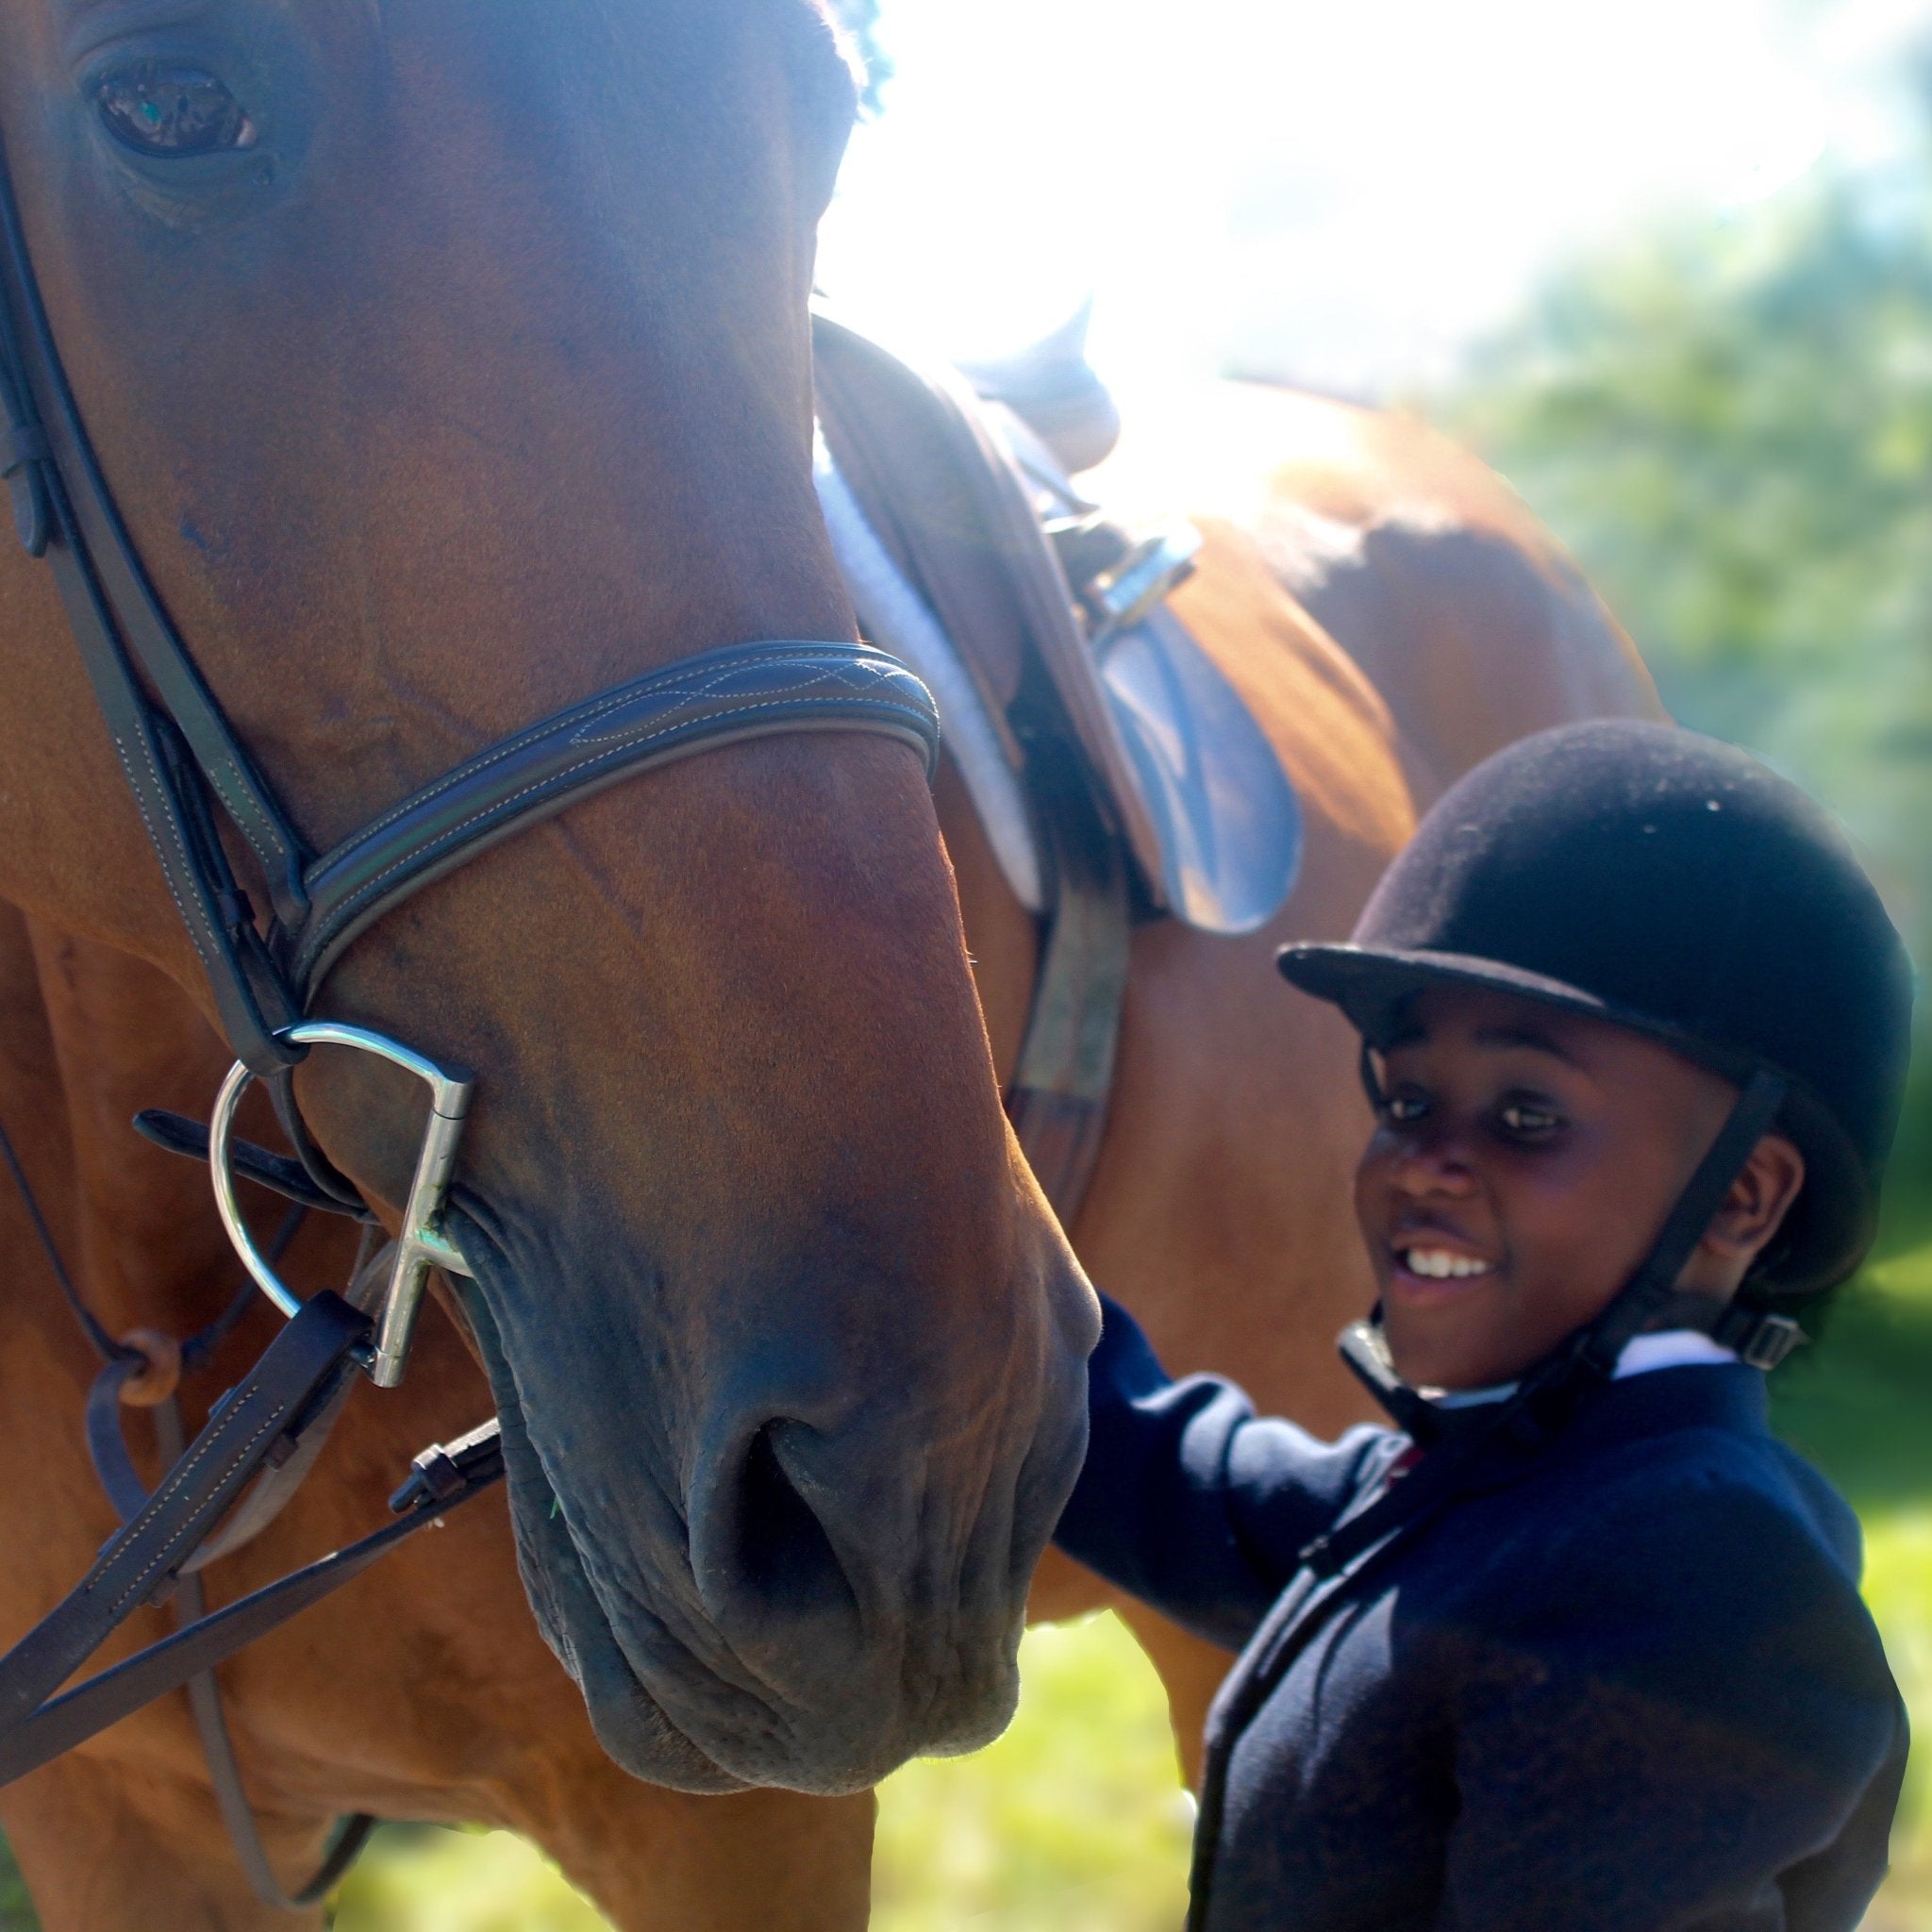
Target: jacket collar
point(1712, 1395)
point(1725, 1397)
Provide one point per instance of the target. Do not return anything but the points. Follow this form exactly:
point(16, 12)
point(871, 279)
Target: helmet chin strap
point(1547, 1394)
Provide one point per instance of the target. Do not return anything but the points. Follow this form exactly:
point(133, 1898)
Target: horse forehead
point(805, 29)
point(795, 45)
point(74, 16)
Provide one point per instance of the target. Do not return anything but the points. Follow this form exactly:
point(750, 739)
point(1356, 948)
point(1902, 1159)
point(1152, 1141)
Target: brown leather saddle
point(1119, 776)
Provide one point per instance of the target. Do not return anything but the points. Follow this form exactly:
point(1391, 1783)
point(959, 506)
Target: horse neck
point(92, 1036)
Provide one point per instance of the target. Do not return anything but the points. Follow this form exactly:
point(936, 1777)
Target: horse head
point(448, 363)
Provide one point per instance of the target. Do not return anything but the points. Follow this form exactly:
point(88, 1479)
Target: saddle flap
point(949, 503)
point(1228, 821)
point(973, 511)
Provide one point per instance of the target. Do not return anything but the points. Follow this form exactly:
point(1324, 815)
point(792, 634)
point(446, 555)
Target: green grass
point(1860, 1403)
point(416, 1878)
point(1860, 1407)
point(1898, 1586)
point(16, 1908)
point(1074, 1820)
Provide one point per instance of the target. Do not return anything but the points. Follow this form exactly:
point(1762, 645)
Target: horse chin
point(629, 1723)
point(756, 1744)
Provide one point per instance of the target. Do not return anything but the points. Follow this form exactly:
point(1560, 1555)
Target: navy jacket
point(1626, 1684)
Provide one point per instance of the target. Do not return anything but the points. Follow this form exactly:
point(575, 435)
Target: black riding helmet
point(1675, 885)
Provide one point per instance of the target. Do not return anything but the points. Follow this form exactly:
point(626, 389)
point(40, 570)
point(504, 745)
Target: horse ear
point(855, 24)
point(829, 84)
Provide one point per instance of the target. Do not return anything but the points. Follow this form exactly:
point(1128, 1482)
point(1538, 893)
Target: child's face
point(1523, 1166)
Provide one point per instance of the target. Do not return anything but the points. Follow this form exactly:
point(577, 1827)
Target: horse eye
point(158, 109)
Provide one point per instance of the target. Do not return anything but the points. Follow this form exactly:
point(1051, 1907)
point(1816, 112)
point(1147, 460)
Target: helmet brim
point(1373, 984)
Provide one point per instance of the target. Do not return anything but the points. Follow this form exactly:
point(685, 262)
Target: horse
point(795, 1081)
point(447, 364)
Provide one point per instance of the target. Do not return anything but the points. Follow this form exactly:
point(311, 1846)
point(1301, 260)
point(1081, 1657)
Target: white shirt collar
point(1669, 1348)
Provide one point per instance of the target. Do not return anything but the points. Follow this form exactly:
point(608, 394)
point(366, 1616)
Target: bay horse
point(447, 363)
point(771, 940)
point(1217, 1213)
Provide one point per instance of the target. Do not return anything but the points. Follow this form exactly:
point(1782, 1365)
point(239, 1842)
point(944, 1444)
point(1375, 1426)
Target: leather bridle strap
point(719, 697)
point(257, 1423)
point(349, 1834)
point(112, 1694)
point(182, 760)
point(139, 1564)
point(174, 754)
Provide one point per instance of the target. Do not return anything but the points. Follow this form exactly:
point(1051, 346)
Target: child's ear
point(1759, 1199)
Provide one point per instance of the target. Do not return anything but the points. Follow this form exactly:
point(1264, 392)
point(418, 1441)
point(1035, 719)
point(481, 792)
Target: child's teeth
point(1442, 1266)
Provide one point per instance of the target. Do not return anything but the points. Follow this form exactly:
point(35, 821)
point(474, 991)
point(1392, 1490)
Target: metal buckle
point(421, 1245)
point(1771, 1340)
point(1149, 572)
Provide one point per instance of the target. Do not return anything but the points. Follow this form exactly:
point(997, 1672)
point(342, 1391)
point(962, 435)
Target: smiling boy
point(1576, 1644)
point(1502, 1220)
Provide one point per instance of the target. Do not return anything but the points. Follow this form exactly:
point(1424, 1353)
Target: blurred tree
point(860, 20)
point(1731, 425)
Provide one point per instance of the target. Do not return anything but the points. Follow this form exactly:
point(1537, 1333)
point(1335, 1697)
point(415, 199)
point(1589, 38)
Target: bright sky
point(1339, 193)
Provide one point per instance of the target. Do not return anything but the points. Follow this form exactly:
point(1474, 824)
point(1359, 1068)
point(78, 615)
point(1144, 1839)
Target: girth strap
point(1064, 1075)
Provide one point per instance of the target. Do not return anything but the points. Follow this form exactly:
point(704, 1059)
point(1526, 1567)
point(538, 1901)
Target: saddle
point(1118, 774)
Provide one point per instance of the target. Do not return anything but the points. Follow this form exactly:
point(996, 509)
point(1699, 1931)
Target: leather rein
point(189, 774)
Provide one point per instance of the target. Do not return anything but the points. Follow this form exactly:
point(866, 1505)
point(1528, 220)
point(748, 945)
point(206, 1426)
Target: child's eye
point(1398, 1110)
point(1523, 1119)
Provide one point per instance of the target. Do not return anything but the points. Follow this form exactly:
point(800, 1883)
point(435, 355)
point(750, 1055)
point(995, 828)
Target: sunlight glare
point(1343, 193)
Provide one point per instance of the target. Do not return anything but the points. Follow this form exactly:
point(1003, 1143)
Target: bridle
point(185, 765)
point(189, 774)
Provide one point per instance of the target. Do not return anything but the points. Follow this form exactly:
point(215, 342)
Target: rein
point(189, 772)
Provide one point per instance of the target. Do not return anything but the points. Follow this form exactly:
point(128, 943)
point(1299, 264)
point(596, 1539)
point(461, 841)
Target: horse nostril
point(784, 1550)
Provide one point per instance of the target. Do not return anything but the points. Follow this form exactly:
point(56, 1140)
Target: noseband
point(188, 769)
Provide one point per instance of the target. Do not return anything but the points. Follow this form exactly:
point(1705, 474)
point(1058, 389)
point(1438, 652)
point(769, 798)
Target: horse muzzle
point(779, 1581)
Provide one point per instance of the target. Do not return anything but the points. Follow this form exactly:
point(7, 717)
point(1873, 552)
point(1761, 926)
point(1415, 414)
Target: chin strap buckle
point(1771, 1340)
